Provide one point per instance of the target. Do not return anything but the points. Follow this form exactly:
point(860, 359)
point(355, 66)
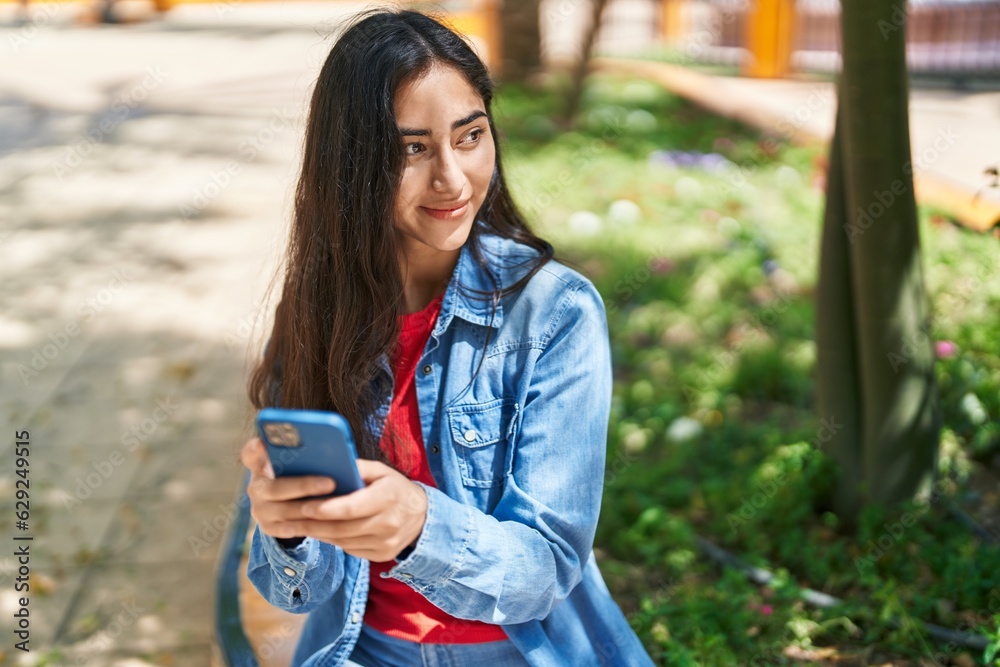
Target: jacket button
point(469, 435)
point(427, 369)
point(355, 617)
point(290, 572)
point(435, 449)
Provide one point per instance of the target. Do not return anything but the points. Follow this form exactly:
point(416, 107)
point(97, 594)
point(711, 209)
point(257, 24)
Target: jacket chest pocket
point(481, 433)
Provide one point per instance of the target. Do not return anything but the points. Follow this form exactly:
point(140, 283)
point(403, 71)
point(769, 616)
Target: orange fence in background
point(769, 38)
point(955, 39)
point(480, 23)
point(477, 20)
point(671, 21)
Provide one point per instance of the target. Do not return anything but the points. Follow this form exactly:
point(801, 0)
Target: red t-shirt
point(393, 607)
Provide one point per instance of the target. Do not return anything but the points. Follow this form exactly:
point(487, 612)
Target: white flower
point(585, 223)
point(624, 211)
point(683, 429)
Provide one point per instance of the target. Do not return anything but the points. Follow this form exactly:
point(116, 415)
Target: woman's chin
point(447, 241)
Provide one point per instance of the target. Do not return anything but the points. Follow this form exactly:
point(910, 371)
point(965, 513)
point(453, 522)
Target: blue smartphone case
point(310, 442)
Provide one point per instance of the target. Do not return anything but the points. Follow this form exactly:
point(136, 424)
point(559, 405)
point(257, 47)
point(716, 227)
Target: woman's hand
point(273, 502)
point(375, 522)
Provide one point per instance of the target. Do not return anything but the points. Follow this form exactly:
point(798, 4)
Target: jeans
point(377, 649)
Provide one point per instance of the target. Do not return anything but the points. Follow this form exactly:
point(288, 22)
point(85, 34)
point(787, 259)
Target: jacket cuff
point(289, 542)
point(290, 565)
point(448, 531)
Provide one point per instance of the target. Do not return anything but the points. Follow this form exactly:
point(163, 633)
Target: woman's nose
point(448, 175)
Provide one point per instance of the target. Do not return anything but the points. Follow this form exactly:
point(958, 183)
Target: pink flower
point(723, 144)
point(766, 609)
point(661, 265)
point(945, 349)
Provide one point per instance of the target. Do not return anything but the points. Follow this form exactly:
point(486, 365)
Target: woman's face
point(449, 161)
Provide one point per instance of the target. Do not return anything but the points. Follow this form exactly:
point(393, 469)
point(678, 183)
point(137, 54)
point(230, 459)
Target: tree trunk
point(579, 73)
point(522, 39)
point(876, 394)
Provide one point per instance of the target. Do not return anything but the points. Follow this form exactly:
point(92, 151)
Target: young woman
point(474, 369)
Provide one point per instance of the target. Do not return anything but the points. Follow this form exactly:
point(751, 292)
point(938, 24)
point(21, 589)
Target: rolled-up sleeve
point(519, 562)
point(296, 580)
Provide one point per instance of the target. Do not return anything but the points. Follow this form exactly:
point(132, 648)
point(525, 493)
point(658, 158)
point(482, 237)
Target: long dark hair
point(342, 284)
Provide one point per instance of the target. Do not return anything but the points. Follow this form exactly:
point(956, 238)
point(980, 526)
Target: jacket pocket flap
point(480, 424)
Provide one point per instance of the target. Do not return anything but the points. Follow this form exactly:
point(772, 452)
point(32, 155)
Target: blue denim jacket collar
point(473, 307)
point(459, 301)
point(468, 275)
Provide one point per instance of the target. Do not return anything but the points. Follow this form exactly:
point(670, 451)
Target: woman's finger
point(254, 458)
point(293, 488)
point(282, 529)
point(267, 513)
point(343, 530)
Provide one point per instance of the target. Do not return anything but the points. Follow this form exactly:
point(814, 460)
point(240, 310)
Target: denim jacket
point(518, 459)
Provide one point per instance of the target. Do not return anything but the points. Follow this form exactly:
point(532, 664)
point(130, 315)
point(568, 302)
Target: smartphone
point(310, 442)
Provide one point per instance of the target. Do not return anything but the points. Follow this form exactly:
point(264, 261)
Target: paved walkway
point(146, 177)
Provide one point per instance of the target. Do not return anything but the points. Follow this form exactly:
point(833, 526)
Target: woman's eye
point(471, 138)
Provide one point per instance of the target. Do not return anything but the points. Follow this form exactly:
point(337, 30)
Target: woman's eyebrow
point(407, 132)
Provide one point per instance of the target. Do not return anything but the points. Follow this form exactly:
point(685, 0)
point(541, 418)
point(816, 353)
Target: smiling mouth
point(447, 213)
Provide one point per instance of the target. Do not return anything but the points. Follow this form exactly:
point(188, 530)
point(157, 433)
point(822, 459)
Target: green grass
point(711, 315)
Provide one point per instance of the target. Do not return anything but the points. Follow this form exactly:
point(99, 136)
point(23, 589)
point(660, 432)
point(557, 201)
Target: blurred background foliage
point(708, 260)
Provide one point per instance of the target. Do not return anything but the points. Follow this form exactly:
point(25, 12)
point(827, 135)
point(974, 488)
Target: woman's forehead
point(435, 100)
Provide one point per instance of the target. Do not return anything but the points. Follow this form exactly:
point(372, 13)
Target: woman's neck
point(425, 275)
